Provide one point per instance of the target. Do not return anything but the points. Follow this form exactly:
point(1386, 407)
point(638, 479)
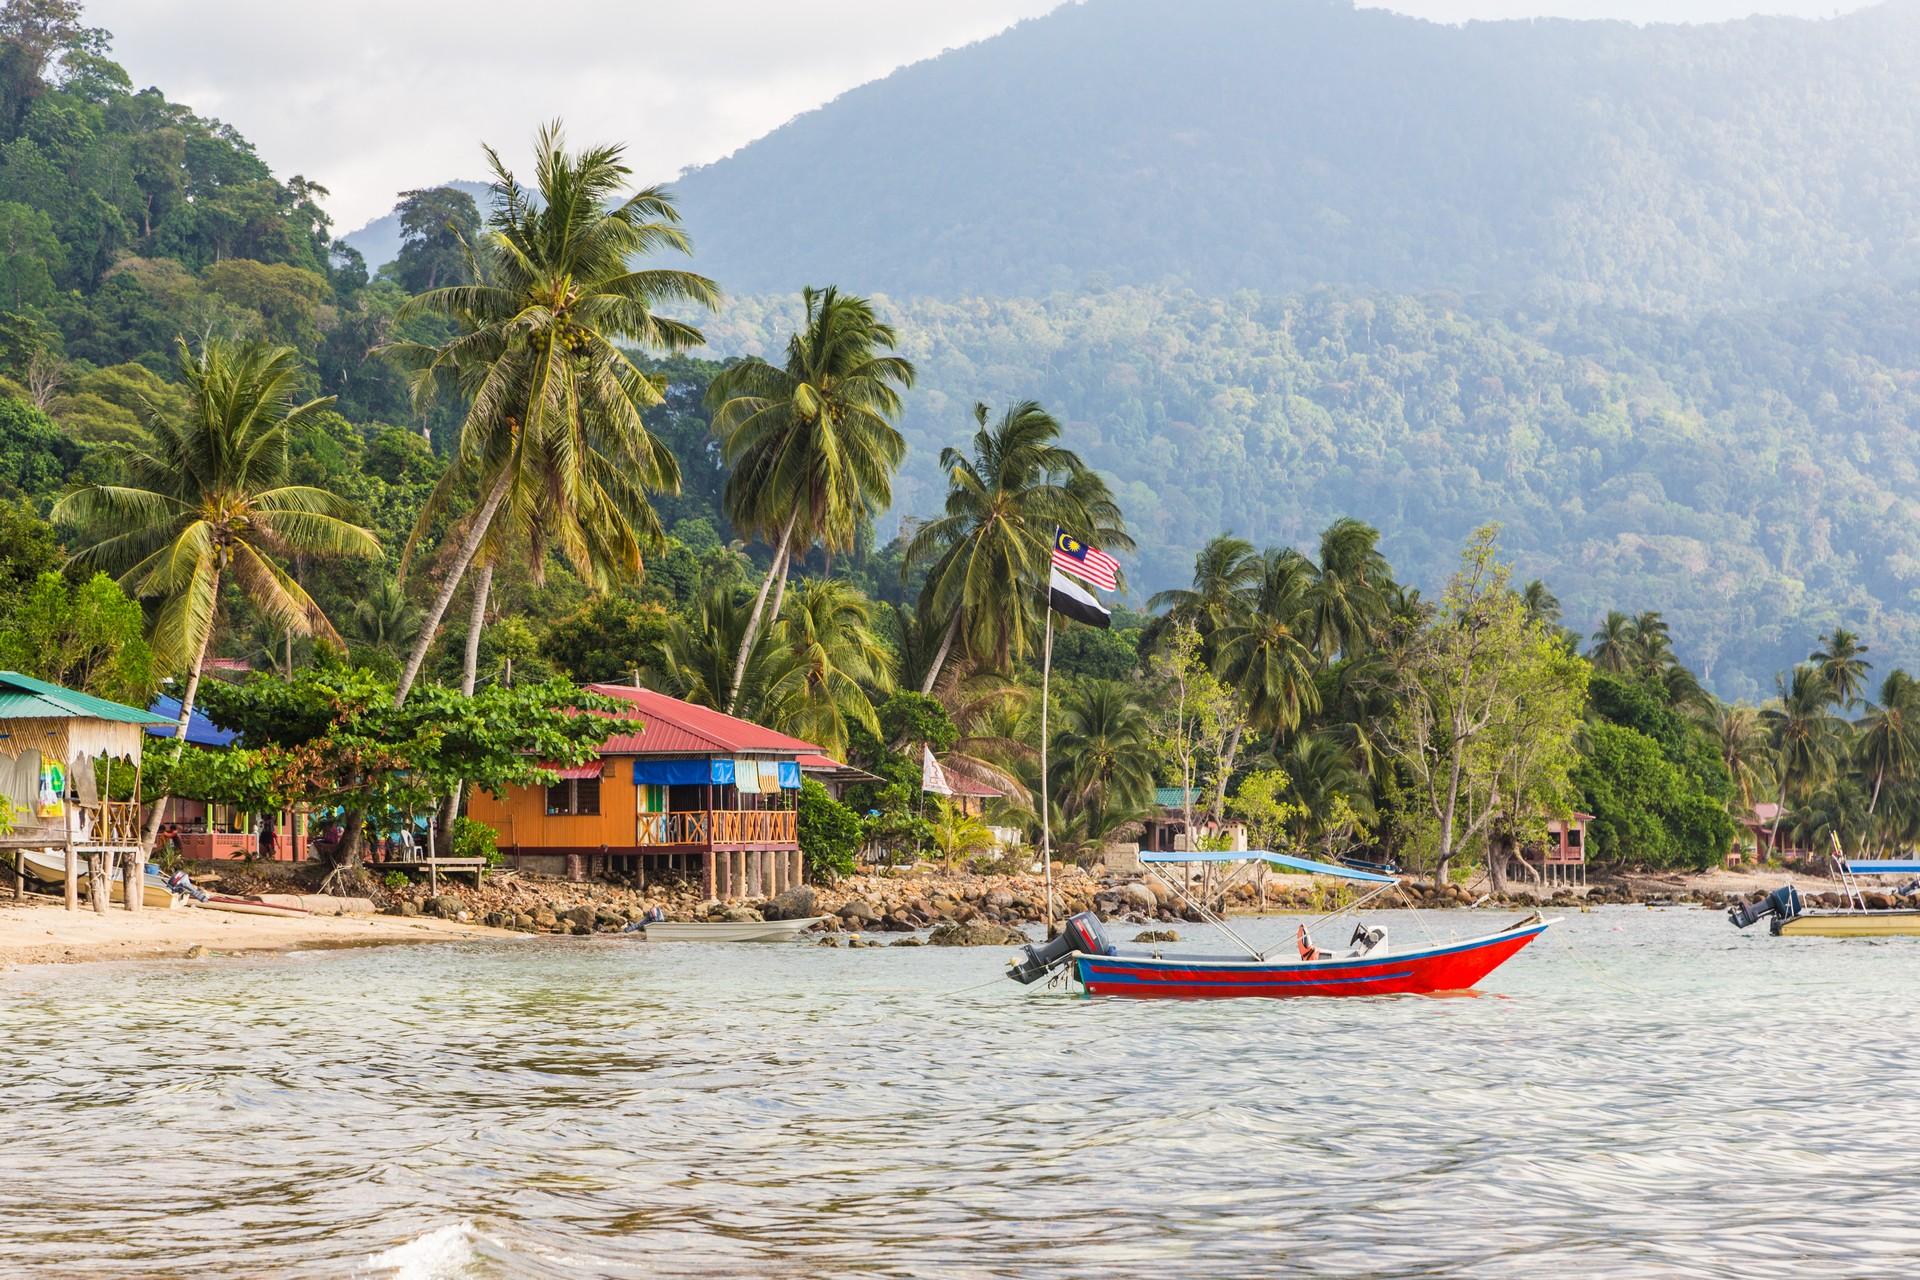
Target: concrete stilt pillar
point(706, 876)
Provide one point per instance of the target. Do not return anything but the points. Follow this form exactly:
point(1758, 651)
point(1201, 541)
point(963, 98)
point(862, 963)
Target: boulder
point(1161, 893)
point(1157, 935)
point(1000, 899)
point(739, 915)
point(441, 905)
point(1138, 895)
point(522, 921)
point(860, 910)
point(796, 903)
point(578, 919)
point(409, 908)
point(908, 942)
point(974, 933)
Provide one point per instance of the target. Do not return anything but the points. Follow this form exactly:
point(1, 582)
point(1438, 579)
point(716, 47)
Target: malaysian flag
point(1089, 564)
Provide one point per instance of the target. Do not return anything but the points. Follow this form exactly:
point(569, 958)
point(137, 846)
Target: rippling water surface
point(1640, 1092)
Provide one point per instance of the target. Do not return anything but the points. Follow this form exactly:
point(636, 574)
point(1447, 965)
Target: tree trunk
point(759, 606)
point(468, 547)
point(940, 655)
point(187, 696)
point(469, 672)
point(1218, 811)
point(1497, 863)
point(353, 839)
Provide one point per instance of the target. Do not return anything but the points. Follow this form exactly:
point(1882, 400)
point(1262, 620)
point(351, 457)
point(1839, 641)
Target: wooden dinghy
point(730, 930)
point(154, 892)
point(249, 906)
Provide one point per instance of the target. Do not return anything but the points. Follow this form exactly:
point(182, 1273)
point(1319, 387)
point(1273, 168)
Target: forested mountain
point(379, 241)
point(1752, 475)
point(1284, 144)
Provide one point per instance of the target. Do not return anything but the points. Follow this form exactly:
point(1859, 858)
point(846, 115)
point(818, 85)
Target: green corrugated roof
point(1170, 797)
point(24, 698)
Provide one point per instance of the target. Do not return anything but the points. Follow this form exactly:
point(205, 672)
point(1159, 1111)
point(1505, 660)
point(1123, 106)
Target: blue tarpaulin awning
point(1279, 860)
point(1883, 866)
point(671, 772)
point(789, 775)
point(201, 732)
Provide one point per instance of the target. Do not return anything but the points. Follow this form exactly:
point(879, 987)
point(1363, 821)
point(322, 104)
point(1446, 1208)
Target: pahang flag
point(1089, 564)
point(932, 777)
point(1069, 599)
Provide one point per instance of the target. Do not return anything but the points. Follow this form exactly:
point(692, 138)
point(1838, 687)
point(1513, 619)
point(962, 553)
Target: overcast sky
point(371, 97)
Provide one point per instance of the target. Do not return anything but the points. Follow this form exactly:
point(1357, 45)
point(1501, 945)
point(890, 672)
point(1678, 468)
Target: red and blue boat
point(1369, 965)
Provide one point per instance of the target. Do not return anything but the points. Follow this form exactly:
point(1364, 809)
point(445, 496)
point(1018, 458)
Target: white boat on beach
point(730, 930)
point(50, 867)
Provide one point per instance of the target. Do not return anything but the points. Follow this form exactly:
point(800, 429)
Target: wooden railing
point(719, 826)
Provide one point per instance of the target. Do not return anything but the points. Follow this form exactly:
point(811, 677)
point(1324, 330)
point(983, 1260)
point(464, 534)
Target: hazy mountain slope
point(1753, 476)
point(1280, 144)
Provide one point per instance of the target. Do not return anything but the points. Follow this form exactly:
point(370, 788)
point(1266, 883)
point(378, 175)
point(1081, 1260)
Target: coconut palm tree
point(811, 442)
point(1103, 751)
point(1267, 652)
point(384, 618)
point(1541, 604)
point(1225, 574)
point(553, 435)
point(828, 658)
point(1802, 733)
point(1323, 781)
point(1652, 644)
point(988, 554)
point(1737, 731)
point(206, 504)
point(1348, 594)
point(1615, 648)
point(1842, 665)
point(1887, 749)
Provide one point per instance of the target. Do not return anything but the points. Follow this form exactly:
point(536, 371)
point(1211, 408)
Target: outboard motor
point(1783, 904)
point(1081, 933)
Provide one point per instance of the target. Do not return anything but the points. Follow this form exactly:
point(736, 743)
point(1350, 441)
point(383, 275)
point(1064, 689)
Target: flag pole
point(1046, 814)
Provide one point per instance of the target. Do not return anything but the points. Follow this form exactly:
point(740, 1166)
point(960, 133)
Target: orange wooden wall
point(520, 816)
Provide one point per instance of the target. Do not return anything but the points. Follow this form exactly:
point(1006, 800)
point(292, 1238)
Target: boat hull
point(1455, 967)
point(1853, 924)
point(730, 930)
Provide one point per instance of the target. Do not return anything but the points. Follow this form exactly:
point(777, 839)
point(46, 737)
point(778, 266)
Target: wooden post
point(707, 873)
point(97, 881)
point(19, 874)
point(135, 876)
point(73, 870)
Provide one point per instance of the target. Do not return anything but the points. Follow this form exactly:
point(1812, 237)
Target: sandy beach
point(34, 932)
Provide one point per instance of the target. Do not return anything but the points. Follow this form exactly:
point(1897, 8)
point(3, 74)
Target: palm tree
point(1652, 644)
point(989, 553)
point(1738, 733)
point(1541, 604)
point(1323, 781)
point(1267, 652)
point(1615, 645)
point(1225, 574)
point(384, 618)
point(553, 435)
point(1103, 751)
point(1842, 665)
point(1348, 595)
point(694, 661)
point(1802, 733)
point(812, 442)
point(828, 657)
point(958, 834)
point(207, 503)
point(1888, 748)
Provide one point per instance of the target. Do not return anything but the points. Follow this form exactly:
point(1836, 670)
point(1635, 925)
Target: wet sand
point(38, 932)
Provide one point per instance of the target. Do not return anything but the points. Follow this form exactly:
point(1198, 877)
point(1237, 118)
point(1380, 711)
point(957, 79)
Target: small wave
point(441, 1252)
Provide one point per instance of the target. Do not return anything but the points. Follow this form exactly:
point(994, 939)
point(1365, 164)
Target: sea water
point(1641, 1092)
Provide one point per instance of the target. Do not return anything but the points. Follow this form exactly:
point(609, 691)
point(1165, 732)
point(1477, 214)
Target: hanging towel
point(769, 776)
point(746, 776)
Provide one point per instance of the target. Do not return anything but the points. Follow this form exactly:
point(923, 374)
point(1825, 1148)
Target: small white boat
point(154, 892)
point(730, 930)
point(47, 865)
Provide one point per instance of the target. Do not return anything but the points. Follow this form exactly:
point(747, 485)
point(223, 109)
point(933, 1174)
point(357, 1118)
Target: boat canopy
point(1278, 859)
point(1884, 866)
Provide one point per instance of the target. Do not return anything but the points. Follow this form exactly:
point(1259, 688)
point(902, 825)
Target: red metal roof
point(963, 785)
point(675, 728)
point(589, 770)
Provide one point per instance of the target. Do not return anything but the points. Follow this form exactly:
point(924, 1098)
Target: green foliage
point(27, 548)
point(830, 833)
point(1646, 810)
point(86, 636)
point(915, 718)
point(476, 840)
point(35, 457)
point(607, 639)
point(1096, 653)
point(395, 881)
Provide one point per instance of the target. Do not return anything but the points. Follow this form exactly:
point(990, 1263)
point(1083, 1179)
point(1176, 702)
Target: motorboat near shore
point(1368, 965)
point(1788, 916)
point(729, 930)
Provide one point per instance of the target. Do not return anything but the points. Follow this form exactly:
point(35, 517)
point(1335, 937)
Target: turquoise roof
point(1170, 797)
point(24, 698)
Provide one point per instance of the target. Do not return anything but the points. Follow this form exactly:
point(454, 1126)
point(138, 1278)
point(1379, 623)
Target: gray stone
point(974, 933)
point(796, 903)
point(859, 909)
point(579, 918)
point(1157, 935)
point(1138, 895)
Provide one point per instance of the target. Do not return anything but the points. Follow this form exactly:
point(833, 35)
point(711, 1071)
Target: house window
point(574, 796)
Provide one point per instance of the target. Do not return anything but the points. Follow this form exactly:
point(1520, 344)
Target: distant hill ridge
point(1282, 144)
